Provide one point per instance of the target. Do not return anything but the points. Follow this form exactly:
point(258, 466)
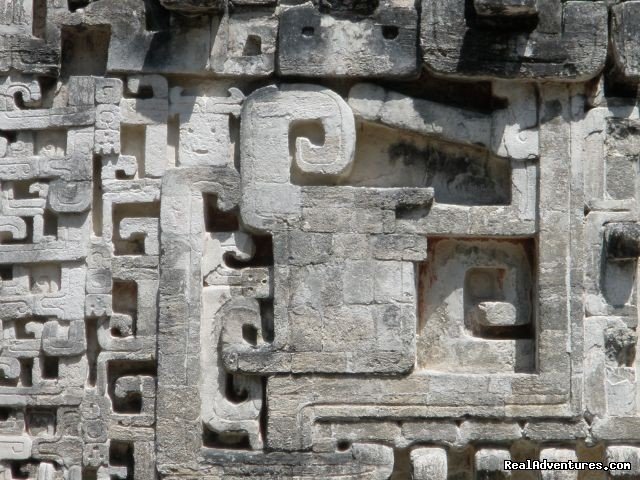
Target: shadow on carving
point(85, 50)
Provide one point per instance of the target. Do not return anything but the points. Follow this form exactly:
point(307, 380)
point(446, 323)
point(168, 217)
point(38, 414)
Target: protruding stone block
point(489, 463)
point(568, 40)
point(625, 37)
point(507, 8)
point(559, 455)
point(496, 314)
point(316, 44)
point(429, 463)
point(15, 447)
point(621, 453)
point(194, 6)
point(622, 241)
point(245, 44)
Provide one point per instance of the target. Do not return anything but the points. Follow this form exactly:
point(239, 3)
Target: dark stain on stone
point(458, 178)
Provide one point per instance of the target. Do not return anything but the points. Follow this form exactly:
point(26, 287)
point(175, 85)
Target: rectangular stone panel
point(316, 44)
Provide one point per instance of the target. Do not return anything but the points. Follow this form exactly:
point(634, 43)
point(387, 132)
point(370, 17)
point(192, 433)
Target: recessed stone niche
point(476, 312)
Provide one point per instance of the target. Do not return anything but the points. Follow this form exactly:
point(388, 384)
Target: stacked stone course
point(327, 239)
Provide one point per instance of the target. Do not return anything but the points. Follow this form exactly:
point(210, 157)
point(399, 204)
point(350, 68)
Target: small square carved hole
point(390, 32)
point(6, 273)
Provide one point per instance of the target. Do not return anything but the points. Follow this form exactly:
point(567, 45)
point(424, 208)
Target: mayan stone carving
point(318, 239)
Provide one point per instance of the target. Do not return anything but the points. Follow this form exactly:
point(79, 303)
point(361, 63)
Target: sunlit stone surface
point(340, 239)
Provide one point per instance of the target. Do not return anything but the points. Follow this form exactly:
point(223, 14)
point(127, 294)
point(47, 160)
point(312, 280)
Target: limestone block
point(472, 430)
point(13, 228)
point(429, 463)
point(31, 93)
point(108, 90)
point(69, 197)
point(245, 44)
point(17, 13)
point(21, 49)
point(496, 132)
point(498, 314)
point(547, 430)
point(456, 42)
point(315, 44)
point(56, 345)
point(489, 463)
point(559, 455)
point(98, 305)
point(615, 429)
point(148, 227)
point(507, 8)
point(267, 194)
point(15, 447)
point(625, 38)
point(205, 135)
point(156, 83)
point(622, 241)
point(82, 91)
point(194, 6)
point(126, 165)
point(10, 367)
point(620, 453)
point(107, 136)
point(227, 415)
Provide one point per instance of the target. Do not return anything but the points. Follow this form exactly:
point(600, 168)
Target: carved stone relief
point(333, 239)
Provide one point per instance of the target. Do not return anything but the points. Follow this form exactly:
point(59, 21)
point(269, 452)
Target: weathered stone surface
point(194, 6)
point(567, 40)
point(317, 44)
point(429, 463)
point(224, 256)
point(622, 241)
point(489, 463)
point(507, 8)
point(559, 455)
point(245, 44)
point(624, 454)
point(375, 104)
point(625, 38)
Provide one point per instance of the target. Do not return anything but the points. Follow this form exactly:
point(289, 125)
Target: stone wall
point(340, 239)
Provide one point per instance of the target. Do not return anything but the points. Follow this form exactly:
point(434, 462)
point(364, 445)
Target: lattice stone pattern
point(318, 239)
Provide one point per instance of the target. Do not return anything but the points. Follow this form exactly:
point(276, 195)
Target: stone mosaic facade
point(333, 239)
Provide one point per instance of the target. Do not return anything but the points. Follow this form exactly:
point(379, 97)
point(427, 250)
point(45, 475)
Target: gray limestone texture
point(315, 240)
